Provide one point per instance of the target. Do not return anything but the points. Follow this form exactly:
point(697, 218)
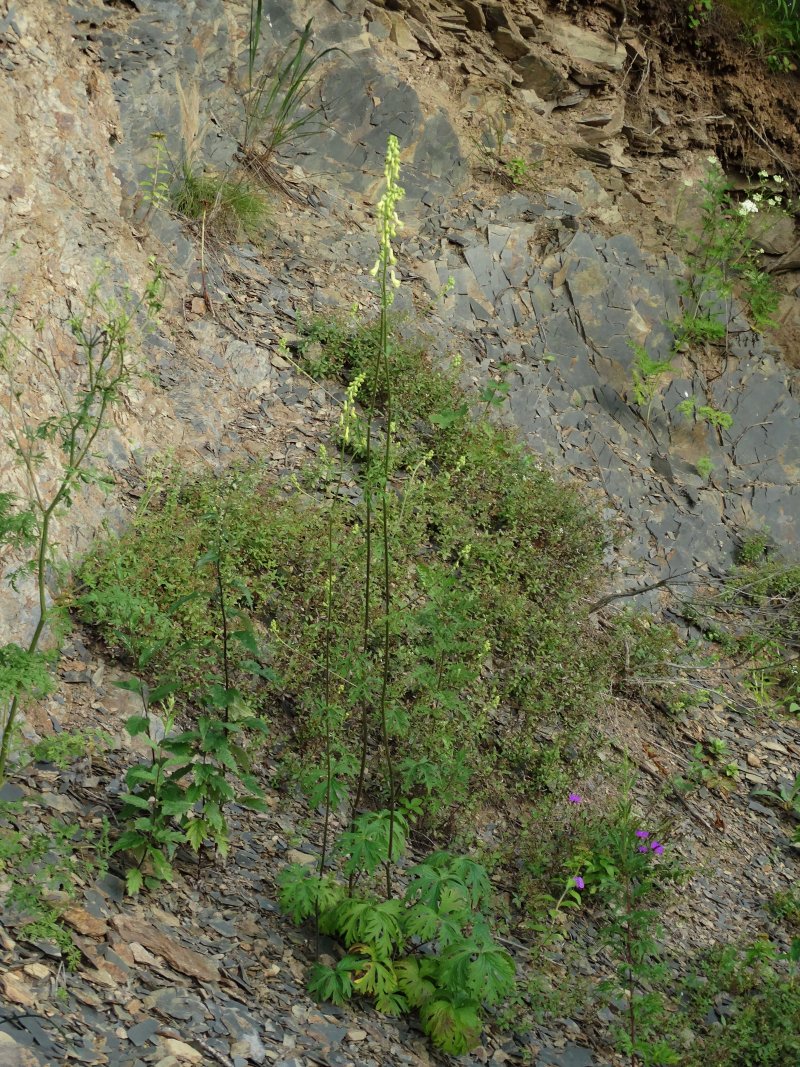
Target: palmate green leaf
point(315, 783)
point(391, 1003)
point(454, 1027)
point(443, 881)
point(416, 978)
point(368, 842)
point(369, 922)
point(421, 921)
point(376, 977)
point(451, 929)
point(479, 968)
point(333, 983)
point(301, 890)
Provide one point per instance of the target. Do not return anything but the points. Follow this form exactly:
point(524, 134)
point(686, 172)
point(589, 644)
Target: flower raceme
point(388, 220)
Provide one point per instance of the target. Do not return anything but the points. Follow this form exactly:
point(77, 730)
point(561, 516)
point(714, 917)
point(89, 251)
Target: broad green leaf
point(453, 1027)
point(133, 801)
point(195, 833)
point(134, 880)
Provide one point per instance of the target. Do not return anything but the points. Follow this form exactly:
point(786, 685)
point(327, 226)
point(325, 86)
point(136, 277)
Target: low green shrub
point(65, 748)
point(491, 563)
point(744, 1006)
point(431, 951)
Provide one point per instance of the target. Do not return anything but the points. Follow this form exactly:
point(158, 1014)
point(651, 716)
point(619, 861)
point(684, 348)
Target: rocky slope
point(553, 276)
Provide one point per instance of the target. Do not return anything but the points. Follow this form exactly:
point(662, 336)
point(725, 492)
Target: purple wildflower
point(574, 798)
point(643, 833)
point(579, 882)
point(658, 848)
point(642, 848)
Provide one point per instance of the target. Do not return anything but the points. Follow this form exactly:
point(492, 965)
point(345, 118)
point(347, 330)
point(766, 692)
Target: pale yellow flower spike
point(388, 220)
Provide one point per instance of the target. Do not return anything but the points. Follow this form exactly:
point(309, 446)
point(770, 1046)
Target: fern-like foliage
point(479, 968)
point(376, 976)
point(23, 671)
point(421, 922)
point(417, 978)
point(449, 984)
point(17, 525)
point(367, 843)
point(302, 892)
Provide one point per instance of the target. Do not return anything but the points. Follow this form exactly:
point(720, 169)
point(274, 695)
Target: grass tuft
point(232, 207)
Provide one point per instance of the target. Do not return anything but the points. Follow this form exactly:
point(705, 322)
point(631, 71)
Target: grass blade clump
point(276, 108)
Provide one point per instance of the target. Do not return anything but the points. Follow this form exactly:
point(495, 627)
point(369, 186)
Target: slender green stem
point(77, 429)
point(383, 357)
point(326, 825)
point(224, 620)
point(383, 270)
point(365, 644)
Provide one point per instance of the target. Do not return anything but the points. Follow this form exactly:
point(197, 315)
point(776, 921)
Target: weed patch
point(492, 561)
point(35, 865)
point(754, 618)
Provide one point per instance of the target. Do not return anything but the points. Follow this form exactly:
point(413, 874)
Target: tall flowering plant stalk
point(375, 489)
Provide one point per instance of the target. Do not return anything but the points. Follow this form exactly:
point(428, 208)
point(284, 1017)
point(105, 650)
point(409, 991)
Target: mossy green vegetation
point(774, 28)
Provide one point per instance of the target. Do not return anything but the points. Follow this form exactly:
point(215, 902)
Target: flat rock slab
point(183, 959)
point(581, 43)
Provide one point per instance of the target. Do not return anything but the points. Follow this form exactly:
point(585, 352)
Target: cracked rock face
point(535, 282)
